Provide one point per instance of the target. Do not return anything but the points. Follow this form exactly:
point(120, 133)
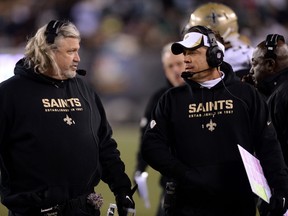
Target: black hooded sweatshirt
point(141, 164)
point(55, 141)
point(195, 131)
point(275, 89)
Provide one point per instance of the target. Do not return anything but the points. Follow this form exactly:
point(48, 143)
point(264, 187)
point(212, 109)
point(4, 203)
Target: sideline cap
point(193, 40)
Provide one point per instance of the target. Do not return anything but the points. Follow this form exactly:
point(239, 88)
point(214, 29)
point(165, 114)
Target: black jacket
point(196, 130)
point(275, 88)
point(55, 141)
point(141, 164)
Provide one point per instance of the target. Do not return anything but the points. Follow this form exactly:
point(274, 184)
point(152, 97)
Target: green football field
point(127, 137)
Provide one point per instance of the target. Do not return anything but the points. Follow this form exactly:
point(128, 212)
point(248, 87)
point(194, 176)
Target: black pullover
point(275, 89)
point(55, 141)
point(196, 130)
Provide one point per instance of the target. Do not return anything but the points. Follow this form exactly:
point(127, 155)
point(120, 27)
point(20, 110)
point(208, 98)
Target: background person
point(55, 140)
point(173, 66)
point(222, 19)
point(193, 138)
point(270, 72)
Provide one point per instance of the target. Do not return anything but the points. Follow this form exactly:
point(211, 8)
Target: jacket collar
point(268, 85)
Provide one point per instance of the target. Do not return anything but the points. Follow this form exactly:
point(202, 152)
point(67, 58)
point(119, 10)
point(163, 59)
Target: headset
point(271, 44)
point(52, 30)
point(214, 54)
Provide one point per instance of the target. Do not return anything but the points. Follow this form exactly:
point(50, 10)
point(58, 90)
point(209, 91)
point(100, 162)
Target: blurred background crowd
point(122, 39)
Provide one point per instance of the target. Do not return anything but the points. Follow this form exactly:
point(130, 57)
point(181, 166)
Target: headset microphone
point(187, 74)
point(81, 72)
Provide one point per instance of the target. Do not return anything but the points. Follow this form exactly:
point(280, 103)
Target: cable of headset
point(224, 85)
point(215, 57)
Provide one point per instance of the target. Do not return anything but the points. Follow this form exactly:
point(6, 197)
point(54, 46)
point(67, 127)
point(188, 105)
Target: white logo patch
point(152, 124)
point(68, 120)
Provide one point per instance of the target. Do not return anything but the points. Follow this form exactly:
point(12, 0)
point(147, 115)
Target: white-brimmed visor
point(193, 40)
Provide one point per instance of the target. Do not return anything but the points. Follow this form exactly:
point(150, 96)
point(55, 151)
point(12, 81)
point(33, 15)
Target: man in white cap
point(193, 139)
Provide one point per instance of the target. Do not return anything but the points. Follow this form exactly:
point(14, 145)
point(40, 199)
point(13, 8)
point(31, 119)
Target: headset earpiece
point(52, 30)
point(214, 54)
point(271, 44)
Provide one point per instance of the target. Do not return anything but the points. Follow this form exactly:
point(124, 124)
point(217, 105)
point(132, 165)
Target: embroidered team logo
point(68, 120)
point(152, 124)
point(211, 125)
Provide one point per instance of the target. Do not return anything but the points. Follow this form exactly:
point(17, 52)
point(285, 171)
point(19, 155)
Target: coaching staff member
point(195, 130)
point(55, 141)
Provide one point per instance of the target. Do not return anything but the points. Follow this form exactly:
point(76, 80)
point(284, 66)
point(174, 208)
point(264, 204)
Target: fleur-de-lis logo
point(211, 125)
point(68, 120)
point(213, 18)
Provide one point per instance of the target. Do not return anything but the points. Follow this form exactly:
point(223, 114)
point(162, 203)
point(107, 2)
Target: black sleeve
point(157, 144)
point(141, 164)
point(278, 104)
point(268, 148)
point(113, 168)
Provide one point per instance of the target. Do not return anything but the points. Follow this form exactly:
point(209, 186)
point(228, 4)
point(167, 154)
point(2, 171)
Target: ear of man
point(270, 65)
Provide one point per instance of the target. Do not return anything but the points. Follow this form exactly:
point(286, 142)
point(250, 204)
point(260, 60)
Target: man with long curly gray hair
point(55, 141)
